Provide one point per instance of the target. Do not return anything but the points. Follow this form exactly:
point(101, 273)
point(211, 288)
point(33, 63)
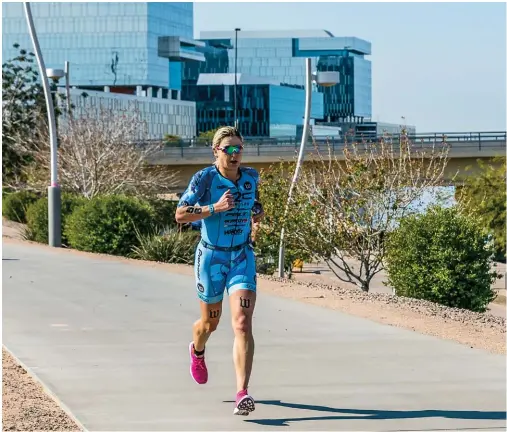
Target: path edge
point(48, 391)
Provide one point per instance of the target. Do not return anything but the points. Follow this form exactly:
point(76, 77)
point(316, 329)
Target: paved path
point(110, 340)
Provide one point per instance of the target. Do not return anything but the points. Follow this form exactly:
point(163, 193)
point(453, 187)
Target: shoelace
point(199, 362)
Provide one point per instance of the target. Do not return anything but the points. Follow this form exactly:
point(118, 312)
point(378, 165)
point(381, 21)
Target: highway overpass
point(465, 149)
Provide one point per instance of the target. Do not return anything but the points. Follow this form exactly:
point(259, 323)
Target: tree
point(484, 195)
point(101, 152)
point(359, 197)
point(172, 140)
point(274, 190)
point(206, 137)
point(22, 103)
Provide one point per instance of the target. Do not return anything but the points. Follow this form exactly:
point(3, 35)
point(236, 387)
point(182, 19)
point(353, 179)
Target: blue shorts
point(216, 271)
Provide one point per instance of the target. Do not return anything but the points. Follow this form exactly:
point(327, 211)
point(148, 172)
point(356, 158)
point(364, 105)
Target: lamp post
point(236, 30)
point(326, 79)
point(67, 88)
point(54, 193)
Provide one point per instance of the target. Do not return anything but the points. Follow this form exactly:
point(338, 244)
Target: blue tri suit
point(224, 258)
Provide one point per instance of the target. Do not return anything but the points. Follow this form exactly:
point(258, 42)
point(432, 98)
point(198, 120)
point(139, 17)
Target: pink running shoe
point(198, 368)
point(244, 403)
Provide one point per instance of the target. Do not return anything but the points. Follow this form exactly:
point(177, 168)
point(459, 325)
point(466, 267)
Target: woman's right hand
point(226, 202)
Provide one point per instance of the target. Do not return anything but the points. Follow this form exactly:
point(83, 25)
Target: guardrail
point(458, 142)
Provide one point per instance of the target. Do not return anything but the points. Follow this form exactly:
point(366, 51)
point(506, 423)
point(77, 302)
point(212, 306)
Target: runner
point(225, 198)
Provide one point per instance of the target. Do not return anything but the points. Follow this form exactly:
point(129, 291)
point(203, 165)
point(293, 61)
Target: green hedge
point(37, 217)
point(108, 224)
point(16, 204)
point(163, 212)
point(442, 256)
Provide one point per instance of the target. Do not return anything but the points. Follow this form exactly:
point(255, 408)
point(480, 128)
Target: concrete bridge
point(465, 149)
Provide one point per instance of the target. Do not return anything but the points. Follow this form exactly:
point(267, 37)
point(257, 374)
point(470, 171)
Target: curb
point(52, 395)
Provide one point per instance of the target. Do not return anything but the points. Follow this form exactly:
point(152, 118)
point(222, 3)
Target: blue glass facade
point(216, 62)
point(286, 109)
point(351, 97)
point(113, 44)
point(281, 56)
point(263, 110)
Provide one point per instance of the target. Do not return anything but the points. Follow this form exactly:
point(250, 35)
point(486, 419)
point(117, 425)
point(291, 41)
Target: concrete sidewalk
point(110, 339)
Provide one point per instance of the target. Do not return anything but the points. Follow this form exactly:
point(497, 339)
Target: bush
point(37, 217)
point(108, 224)
point(173, 247)
point(441, 256)
point(164, 212)
point(15, 205)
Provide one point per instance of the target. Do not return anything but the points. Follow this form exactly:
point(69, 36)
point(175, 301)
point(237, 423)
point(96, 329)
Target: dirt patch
point(25, 404)
point(11, 229)
point(500, 299)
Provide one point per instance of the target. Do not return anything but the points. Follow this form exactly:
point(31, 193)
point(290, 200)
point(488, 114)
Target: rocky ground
point(25, 404)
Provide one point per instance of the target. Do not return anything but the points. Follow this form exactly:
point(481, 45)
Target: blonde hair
point(225, 132)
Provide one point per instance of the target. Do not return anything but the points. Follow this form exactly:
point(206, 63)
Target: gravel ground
point(26, 406)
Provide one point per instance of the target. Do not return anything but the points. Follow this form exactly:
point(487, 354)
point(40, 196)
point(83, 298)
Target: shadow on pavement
point(365, 414)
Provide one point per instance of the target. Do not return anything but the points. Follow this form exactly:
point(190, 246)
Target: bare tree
point(358, 196)
point(101, 151)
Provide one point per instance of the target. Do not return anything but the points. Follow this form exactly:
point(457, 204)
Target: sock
point(199, 353)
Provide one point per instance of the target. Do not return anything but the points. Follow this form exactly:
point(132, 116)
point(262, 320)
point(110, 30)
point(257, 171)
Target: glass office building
point(113, 44)
point(161, 116)
point(130, 48)
point(280, 56)
point(264, 107)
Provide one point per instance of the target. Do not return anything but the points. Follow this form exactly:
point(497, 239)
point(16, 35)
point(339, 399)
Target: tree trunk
point(365, 286)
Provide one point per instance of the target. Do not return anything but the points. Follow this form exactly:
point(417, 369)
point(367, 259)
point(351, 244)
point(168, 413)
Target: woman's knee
point(206, 325)
point(212, 325)
point(242, 324)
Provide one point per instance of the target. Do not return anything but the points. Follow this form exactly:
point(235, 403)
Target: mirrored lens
point(232, 149)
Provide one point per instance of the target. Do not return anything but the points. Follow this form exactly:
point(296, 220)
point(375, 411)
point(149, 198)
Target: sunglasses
point(232, 149)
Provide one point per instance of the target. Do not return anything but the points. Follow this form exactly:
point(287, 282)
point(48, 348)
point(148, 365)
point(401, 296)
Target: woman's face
point(228, 153)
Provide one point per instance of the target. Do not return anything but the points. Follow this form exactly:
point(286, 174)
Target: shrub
point(442, 256)
point(108, 224)
point(15, 205)
point(173, 247)
point(37, 217)
point(164, 212)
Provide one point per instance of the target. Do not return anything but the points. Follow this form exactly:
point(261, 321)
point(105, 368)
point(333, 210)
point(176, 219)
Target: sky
point(440, 65)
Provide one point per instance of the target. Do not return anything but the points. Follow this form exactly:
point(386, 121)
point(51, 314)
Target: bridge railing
point(279, 147)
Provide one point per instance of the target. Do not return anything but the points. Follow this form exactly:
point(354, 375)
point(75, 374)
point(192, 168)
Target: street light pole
point(325, 79)
point(236, 79)
point(67, 88)
point(54, 193)
point(304, 139)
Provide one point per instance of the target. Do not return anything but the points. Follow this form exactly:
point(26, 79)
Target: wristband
point(211, 209)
